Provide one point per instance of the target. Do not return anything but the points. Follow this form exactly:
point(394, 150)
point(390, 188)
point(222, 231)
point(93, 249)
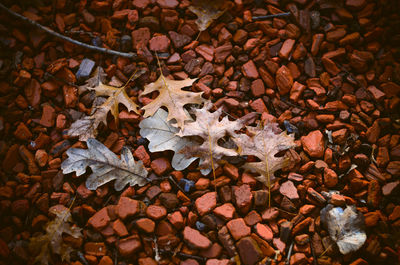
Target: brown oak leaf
point(86, 127)
point(210, 129)
point(264, 143)
point(172, 97)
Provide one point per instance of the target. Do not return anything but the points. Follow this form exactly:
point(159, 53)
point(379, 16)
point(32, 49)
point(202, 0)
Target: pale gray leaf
point(162, 136)
point(105, 165)
point(345, 227)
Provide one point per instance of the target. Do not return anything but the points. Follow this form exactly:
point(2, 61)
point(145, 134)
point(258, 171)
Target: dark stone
point(126, 43)
point(169, 200)
point(249, 251)
point(186, 184)
point(285, 229)
point(85, 68)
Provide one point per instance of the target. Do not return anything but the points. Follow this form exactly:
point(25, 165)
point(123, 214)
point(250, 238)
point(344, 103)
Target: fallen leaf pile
point(191, 138)
point(52, 242)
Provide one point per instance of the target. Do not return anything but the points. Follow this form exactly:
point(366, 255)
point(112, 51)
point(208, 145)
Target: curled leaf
point(105, 165)
point(162, 136)
point(345, 227)
point(264, 143)
point(207, 12)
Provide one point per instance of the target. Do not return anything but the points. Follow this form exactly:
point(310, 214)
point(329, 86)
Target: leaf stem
point(268, 176)
point(211, 156)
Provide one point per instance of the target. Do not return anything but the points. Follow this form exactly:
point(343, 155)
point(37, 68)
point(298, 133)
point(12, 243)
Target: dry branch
point(65, 38)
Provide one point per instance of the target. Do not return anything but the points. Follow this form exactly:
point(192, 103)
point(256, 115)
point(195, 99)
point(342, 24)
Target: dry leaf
point(264, 144)
point(86, 127)
point(207, 11)
point(52, 241)
point(345, 227)
point(210, 129)
point(105, 165)
point(162, 136)
point(172, 97)
point(97, 77)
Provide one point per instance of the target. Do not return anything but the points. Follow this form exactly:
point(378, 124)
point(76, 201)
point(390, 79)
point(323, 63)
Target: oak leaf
point(105, 165)
point(172, 97)
point(86, 127)
point(162, 136)
point(207, 12)
point(52, 242)
point(211, 130)
point(264, 143)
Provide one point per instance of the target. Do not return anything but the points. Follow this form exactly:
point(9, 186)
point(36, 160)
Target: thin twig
point(289, 254)
point(90, 34)
point(271, 16)
point(65, 38)
point(177, 185)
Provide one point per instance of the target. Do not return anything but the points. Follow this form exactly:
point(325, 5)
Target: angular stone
point(156, 212)
point(85, 69)
point(22, 132)
point(140, 37)
point(284, 80)
point(179, 40)
point(48, 116)
point(286, 48)
point(249, 251)
point(195, 239)
point(257, 88)
point(127, 207)
point(206, 51)
point(225, 211)
point(159, 43)
point(129, 245)
point(330, 178)
point(249, 70)
point(243, 197)
point(161, 165)
point(146, 225)
point(169, 200)
point(313, 144)
point(264, 231)
point(296, 91)
point(222, 52)
point(206, 203)
point(289, 190)
point(100, 219)
point(238, 228)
